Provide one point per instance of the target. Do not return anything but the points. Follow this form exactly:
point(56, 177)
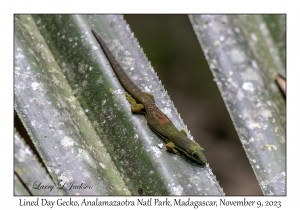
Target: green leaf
point(30, 177)
point(75, 110)
point(56, 122)
point(244, 61)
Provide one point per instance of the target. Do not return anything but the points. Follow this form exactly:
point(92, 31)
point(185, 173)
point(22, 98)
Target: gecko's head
point(197, 154)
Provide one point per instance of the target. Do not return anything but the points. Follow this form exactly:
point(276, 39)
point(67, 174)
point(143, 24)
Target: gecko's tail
point(129, 86)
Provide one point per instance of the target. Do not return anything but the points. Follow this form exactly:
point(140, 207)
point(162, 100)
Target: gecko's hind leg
point(135, 107)
point(150, 96)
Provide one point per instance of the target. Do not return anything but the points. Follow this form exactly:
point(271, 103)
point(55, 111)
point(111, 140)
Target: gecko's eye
point(195, 154)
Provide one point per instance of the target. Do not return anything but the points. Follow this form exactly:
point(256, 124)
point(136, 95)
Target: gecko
point(141, 102)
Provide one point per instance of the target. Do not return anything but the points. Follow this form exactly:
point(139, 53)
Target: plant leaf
point(29, 171)
point(97, 124)
point(55, 121)
point(244, 61)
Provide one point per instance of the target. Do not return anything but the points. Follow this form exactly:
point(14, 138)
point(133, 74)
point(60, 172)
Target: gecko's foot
point(171, 148)
point(150, 96)
point(183, 132)
point(135, 107)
